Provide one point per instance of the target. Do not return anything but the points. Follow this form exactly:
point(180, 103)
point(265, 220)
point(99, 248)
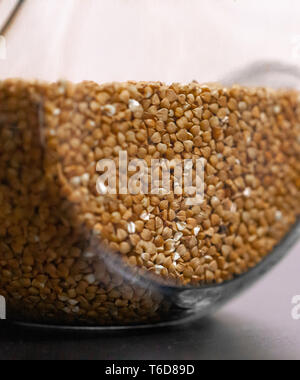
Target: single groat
point(55, 226)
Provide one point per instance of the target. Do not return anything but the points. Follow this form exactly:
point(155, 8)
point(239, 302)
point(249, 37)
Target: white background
point(168, 40)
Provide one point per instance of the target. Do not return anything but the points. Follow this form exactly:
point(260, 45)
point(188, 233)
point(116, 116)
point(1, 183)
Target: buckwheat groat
point(55, 225)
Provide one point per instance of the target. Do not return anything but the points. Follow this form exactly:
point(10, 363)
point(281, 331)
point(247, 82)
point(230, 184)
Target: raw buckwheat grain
point(53, 220)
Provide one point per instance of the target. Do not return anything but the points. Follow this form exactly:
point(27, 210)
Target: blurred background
point(167, 40)
point(181, 41)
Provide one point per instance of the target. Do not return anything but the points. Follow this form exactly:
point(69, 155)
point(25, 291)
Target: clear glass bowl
point(60, 232)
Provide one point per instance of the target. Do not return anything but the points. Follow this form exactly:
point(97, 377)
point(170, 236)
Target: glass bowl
point(77, 251)
point(67, 261)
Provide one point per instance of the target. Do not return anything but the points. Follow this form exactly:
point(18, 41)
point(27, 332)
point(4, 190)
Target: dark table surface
point(256, 325)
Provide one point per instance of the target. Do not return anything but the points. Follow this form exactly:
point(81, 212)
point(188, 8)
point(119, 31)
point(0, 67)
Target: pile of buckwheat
point(53, 220)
